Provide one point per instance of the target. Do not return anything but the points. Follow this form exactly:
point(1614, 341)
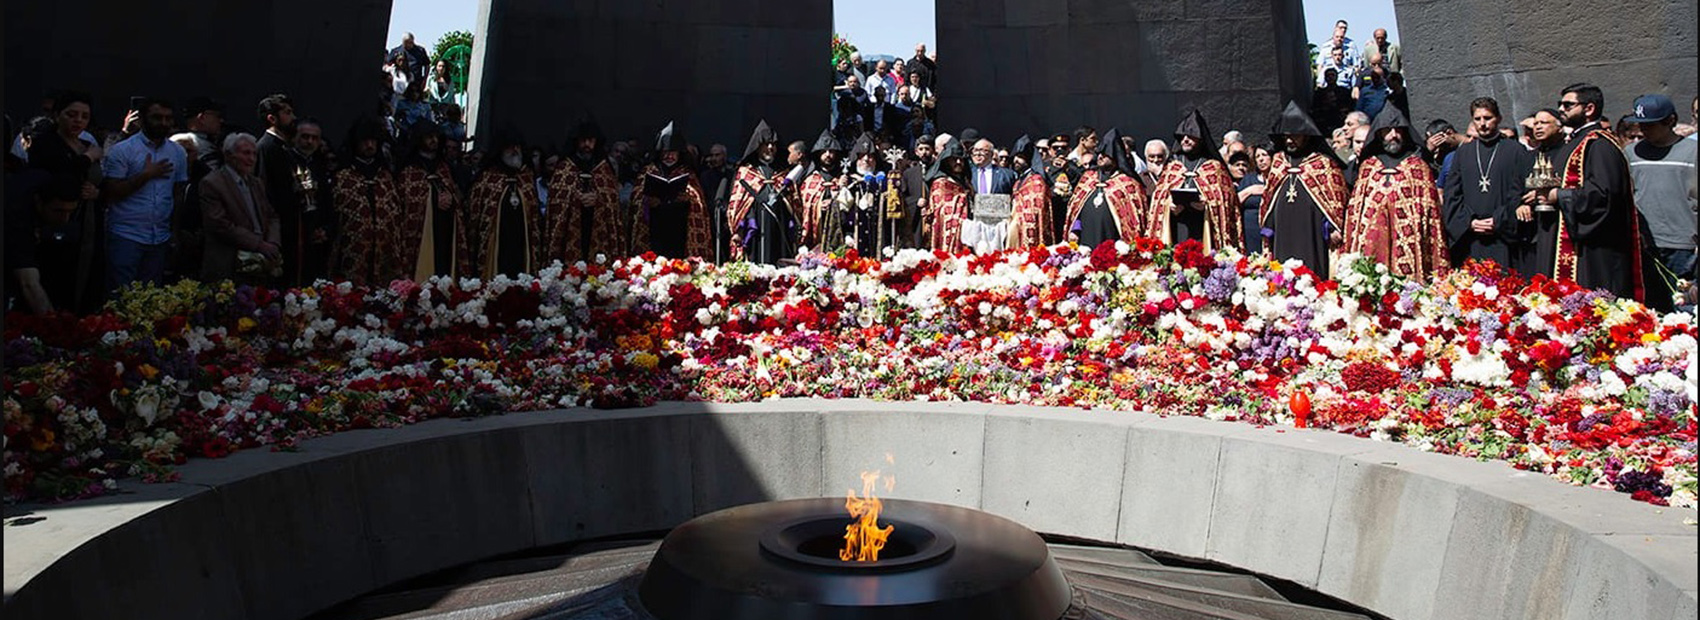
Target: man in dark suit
point(277, 171)
point(924, 64)
point(914, 190)
point(235, 214)
point(986, 176)
point(883, 118)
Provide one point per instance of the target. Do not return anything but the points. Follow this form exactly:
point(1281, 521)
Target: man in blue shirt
point(145, 177)
point(1372, 91)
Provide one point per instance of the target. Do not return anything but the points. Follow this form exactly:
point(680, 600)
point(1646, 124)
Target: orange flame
point(864, 538)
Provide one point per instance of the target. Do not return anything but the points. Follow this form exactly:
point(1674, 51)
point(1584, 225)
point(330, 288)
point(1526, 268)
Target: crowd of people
point(416, 89)
point(1356, 81)
point(175, 192)
point(891, 99)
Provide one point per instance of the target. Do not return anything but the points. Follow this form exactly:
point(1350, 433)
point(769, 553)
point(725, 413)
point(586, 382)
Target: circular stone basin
point(780, 560)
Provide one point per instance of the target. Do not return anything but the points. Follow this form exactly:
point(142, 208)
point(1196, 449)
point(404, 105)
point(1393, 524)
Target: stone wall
point(1043, 66)
point(714, 66)
point(1523, 52)
point(317, 51)
point(1410, 534)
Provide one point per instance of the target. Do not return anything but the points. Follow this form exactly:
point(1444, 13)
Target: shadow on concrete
point(283, 535)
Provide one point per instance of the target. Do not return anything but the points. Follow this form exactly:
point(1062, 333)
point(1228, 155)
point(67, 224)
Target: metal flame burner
point(780, 560)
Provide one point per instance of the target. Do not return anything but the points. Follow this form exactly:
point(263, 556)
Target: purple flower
point(1630, 481)
point(1220, 284)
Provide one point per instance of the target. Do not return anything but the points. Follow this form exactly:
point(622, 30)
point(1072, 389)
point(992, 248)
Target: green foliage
point(455, 47)
point(449, 41)
point(841, 48)
point(1315, 53)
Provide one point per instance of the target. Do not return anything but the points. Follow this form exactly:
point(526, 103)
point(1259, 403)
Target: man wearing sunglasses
point(1600, 237)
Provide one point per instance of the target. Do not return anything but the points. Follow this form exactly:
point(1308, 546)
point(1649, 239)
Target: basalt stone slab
point(639, 63)
point(265, 512)
point(432, 502)
point(1523, 52)
point(237, 52)
point(179, 547)
point(1116, 54)
point(1170, 464)
point(1055, 474)
point(608, 476)
point(1274, 494)
point(937, 458)
point(1385, 527)
point(746, 458)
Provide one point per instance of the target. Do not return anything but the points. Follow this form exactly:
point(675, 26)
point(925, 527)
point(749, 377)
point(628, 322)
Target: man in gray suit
point(236, 215)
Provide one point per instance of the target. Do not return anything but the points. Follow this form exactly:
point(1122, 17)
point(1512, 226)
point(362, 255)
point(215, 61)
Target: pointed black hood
point(826, 142)
point(952, 149)
point(416, 140)
point(865, 144)
point(1295, 122)
point(1024, 148)
point(1111, 144)
point(505, 137)
point(366, 128)
point(587, 128)
point(1193, 125)
point(1389, 118)
point(762, 135)
point(670, 138)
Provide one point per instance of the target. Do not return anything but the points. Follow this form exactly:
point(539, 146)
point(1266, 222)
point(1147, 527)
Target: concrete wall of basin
point(1413, 535)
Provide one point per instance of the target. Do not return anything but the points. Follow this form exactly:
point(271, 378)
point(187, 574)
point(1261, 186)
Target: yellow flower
point(42, 439)
point(646, 361)
point(1650, 338)
point(244, 324)
point(148, 371)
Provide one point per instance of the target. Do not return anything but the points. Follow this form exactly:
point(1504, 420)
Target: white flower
point(147, 404)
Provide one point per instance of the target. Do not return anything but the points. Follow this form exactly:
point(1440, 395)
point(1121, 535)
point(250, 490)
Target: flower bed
point(1541, 374)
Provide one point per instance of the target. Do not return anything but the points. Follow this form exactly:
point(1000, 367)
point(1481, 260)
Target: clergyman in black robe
point(1601, 227)
point(1304, 204)
point(760, 208)
point(1483, 191)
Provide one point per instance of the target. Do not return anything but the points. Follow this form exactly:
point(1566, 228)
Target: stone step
point(530, 592)
point(1222, 582)
point(1106, 555)
point(1156, 606)
point(619, 602)
point(575, 559)
point(1131, 588)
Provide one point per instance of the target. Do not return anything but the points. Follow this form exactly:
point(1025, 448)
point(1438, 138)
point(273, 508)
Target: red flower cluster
point(1369, 377)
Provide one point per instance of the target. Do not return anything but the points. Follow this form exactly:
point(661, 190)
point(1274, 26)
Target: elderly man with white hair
point(1156, 157)
point(235, 215)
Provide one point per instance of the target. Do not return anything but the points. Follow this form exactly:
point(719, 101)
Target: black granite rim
point(953, 562)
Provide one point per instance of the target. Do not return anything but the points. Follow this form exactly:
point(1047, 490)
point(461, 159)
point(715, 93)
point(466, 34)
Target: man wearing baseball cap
point(1662, 166)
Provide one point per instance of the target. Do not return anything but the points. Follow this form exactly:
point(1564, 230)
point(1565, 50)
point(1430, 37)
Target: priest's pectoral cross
point(1292, 192)
point(1485, 183)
